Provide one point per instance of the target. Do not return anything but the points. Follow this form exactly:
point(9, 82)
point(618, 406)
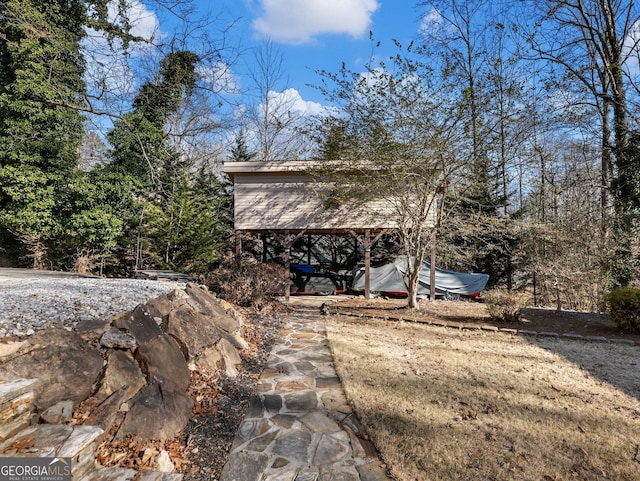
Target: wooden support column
point(286, 242)
point(432, 269)
point(367, 264)
point(287, 266)
point(264, 247)
point(238, 238)
point(367, 242)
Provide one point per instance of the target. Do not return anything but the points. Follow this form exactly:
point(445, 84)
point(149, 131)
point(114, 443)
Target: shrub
point(624, 306)
point(505, 306)
point(248, 284)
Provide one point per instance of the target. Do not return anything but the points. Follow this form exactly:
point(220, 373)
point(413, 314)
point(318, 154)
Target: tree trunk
point(414, 266)
point(40, 255)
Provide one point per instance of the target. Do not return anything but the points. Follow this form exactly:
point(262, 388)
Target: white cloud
point(631, 49)
point(433, 24)
point(299, 21)
point(219, 77)
point(291, 100)
point(143, 23)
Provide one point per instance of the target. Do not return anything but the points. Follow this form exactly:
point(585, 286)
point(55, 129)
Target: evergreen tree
point(240, 152)
point(139, 141)
point(41, 71)
point(180, 218)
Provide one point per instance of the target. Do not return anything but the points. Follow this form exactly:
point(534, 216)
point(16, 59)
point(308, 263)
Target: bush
point(505, 306)
point(248, 284)
point(624, 306)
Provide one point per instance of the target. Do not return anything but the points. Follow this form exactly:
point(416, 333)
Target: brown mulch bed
point(468, 313)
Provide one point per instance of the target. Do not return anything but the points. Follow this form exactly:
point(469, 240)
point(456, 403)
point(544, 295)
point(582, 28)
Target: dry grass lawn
point(449, 404)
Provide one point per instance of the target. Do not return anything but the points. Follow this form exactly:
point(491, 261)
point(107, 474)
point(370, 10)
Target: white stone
point(163, 462)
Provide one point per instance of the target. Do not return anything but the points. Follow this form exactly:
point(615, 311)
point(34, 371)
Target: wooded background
point(519, 120)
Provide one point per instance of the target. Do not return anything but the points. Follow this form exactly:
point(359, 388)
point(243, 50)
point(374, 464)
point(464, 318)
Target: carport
point(283, 201)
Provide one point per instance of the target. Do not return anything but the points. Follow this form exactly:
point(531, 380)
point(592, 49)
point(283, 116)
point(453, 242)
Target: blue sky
point(309, 35)
point(321, 34)
point(317, 34)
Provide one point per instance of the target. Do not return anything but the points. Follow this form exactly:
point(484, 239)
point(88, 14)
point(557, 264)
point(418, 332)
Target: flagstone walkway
point(300, 427)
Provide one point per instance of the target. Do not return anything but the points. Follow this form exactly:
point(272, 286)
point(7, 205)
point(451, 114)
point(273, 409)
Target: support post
point(287, 266)
point(432, 269)
point(367, 264)
point(265, 248)
point(286, 242)
point(367, 243)
point(238, 248)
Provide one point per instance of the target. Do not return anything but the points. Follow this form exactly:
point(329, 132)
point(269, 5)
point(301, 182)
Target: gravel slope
point(28, 304)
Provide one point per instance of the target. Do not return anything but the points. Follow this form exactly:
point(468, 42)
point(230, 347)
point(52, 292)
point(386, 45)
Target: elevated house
point(283, 201)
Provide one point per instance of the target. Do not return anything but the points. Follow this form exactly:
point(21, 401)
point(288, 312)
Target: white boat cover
point(390, 278)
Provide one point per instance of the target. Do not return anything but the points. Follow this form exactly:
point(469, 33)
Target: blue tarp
point(390, 278)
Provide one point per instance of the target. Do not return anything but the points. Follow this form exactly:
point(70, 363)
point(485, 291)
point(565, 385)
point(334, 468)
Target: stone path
point(300, 427)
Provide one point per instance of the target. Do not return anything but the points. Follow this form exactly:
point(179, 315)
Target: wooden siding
point(278, 196)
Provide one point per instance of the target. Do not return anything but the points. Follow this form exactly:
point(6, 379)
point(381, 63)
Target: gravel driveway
point(33, 300)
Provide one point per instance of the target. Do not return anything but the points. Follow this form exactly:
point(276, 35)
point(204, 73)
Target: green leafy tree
point(139, 141)
point(41, 72)
point(98, 207)
point(42, 95)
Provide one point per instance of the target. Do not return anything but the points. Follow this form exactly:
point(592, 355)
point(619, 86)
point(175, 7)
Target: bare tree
point(273, 119)
point(592, 43)
point(401, 144)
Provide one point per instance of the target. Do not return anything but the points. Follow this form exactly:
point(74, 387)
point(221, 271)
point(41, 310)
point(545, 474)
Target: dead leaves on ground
point(133, 454)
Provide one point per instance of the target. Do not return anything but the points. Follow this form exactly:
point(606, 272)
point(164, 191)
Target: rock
point(208, 304)
point(162, 361)
point(156, 414)
point(158, 476)
point(148, 455)
point(159, 355)
point(230, 357)
point(16, 405)
point(178, 298)
point(105, 415)
point(161, 306)
point(9, 349)
point(194, 329)
point(64, 363)
point(112, 474)
point(59, 413)
point(210, 359)
point(92, 329)
point(373, 471)
point(122, 371)
point(116, 339)
point(237, 340)
point(140, 324)
point(164, 463)
point(245, 466)
point(60, 441)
